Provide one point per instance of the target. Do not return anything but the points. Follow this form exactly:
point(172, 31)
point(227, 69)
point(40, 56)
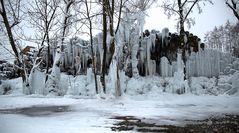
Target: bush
point(5, 88)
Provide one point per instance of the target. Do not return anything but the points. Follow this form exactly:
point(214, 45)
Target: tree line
point(225, 38)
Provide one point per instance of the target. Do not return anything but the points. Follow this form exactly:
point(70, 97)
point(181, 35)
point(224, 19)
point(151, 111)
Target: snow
point(14, 84)
point(37, 83)
point(235, 84)
point(37, 80)
point(112, 76)
point(4, 52)
point(150, 97)
point(93, 115)
point(83, 85)
point(179, 84)
point(53, 82)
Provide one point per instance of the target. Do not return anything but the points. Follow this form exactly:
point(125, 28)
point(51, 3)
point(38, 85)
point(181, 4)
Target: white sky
point(212, 15)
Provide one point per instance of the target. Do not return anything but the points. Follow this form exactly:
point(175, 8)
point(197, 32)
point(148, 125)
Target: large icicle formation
point(204, 63)
point(149, 53)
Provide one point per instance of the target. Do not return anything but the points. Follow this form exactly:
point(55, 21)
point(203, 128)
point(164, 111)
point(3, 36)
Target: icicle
point(89, 76)
point(180, 64)
point(152, 67)
point(170, 70)
point(153, 38)
point(69, 51)
point(164, 63)
point(178, 79)
point(36, 79)
point(78, 64)
point(148, 54)
point(141, 20)
point(134, 59)
point(54, 79)
point(165, 35)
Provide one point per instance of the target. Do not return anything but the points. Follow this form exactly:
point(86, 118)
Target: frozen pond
point(223, 123)
point(166, 113)
point(37, 111)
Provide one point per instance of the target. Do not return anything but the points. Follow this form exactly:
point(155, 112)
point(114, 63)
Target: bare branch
point(184, 3)
point(189, 11)
point(233, 8)
point(119, 18)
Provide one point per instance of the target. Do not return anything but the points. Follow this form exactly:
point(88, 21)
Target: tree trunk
point(181, 21)
point(182, 34)
point(110, 11)
point(47, 40)
point(92, 51)
point(13, 45)
point(48, 56)
point(103, 70)
point(54, 79)
point(114, 50)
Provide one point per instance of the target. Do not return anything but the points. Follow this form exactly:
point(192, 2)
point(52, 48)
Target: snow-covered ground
point(149, 98)
point(93, 115)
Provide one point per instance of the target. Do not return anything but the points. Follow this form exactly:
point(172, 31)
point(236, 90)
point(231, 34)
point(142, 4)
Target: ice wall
point(204, 63)
point(208, 63)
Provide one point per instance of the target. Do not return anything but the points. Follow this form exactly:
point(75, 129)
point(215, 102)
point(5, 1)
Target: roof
point(27, 49)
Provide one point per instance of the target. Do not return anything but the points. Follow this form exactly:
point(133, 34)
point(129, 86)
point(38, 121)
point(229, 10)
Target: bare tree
point(91, 44)
point(112, 11)
point(112, 15)
point(42, 15)
point(67, 15)
point(134, 16)
point(86, 15)
point(10, 13)
point(54, 78)
point(104, 68)
point(182, 9)
point(108, 12)
point(234, 6)
point(224, 37)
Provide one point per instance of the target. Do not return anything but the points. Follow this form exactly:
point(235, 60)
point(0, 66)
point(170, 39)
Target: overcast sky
point(212, 15)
